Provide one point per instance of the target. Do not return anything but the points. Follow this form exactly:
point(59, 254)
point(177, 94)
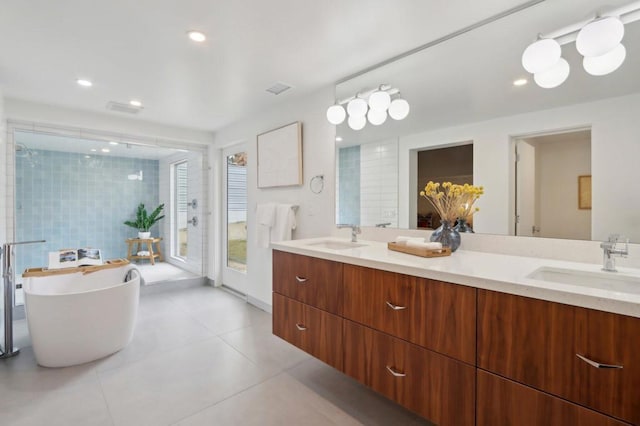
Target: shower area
point(76, 192)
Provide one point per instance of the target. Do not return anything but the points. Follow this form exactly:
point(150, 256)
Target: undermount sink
point(335, 245)
point(612, 281)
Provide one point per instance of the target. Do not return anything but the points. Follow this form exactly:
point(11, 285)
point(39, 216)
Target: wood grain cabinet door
point(434, 386)
point(314, 331)
point(502, 402)
point(586, 356)
point(432, 314)
point(316, 282)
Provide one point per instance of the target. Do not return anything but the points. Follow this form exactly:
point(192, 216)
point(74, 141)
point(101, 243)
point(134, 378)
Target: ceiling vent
point(278, 88)
point(121, 107)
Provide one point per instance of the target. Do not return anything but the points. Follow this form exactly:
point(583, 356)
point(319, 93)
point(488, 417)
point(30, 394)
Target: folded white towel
point(143, 253)
point(403, 240)
point(429, 246)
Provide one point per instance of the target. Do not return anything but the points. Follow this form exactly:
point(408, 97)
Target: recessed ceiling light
point(84, 83)
point(197, 36)
point(105, 150)
point(338, 138)
point(113, 143)
point(520, 82)
point(135, 103)
point(93, 150)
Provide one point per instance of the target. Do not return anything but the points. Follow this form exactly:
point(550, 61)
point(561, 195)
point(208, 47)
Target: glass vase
point(447, 236)
point(463, 226)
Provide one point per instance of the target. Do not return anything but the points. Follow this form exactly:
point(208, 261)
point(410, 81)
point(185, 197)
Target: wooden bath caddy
point(418, 251)
point(44, 272)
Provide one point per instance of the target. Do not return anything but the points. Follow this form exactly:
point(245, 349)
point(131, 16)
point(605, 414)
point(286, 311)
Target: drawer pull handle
point(300, 279)
point(394, 373)
point(597, 364)
point(395, 307)
point(301, 327)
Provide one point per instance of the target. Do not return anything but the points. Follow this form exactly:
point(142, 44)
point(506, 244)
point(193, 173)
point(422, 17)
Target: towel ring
point(316, 184)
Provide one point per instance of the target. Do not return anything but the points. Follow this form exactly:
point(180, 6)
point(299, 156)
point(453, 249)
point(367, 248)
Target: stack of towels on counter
point(418, 243)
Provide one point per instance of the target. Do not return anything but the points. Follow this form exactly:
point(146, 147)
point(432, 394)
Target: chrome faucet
point(383, 225)
point(355, 230)
point(610, 250)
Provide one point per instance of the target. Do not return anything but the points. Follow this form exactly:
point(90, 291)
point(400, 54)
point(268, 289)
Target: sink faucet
point(383, 225)
point(355, 230)
point(610, 250)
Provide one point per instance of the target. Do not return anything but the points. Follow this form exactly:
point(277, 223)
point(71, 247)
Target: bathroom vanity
point(474, 338)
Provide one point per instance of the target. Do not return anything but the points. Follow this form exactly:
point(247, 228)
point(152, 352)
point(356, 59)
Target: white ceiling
point(138, 49)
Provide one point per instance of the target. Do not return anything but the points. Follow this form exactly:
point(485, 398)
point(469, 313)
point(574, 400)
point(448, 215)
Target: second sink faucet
point(355, 230)
point(610, 250)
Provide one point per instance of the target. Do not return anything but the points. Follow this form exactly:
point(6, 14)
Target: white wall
point(315, 215)
point(615, 148)
point(558, 167)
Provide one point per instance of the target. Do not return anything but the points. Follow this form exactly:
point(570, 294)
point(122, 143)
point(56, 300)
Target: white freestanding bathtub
point(80, 317)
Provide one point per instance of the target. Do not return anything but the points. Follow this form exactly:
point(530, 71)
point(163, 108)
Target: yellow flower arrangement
point(452, 201)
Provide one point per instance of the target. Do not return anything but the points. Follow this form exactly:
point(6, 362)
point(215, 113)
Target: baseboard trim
point(260, 304)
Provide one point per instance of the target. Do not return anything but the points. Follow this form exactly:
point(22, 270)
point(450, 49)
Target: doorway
point(551, 197)
point(234, 265)
point(75, 188)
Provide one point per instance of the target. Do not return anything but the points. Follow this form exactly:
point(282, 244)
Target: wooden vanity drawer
point(537, 342)
point(502, 402)
point(316, 282)
point(432, 314)
point(312, 330)
point(434, 386)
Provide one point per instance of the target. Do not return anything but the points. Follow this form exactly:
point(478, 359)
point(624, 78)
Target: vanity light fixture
point(197, 36)
point(373, 105)
point(597, 40)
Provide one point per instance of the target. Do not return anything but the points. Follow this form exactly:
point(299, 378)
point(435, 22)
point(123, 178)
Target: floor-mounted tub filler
point(82, 316)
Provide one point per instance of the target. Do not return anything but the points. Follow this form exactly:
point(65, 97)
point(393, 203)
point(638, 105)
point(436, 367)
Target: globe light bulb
point(541, 55)
point(357, 107)
point(607, 63)
point(600, 36)
point(379, 100)
point(357, 122)
point(553, 77)
point(336, 114)
point(399, 109)
point(376, 117)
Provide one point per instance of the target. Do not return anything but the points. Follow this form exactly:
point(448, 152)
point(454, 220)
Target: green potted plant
point(144, 221)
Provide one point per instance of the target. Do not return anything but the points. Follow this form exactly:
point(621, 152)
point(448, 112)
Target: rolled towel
point(143, 253)
point(403, 240)
point(428, 246)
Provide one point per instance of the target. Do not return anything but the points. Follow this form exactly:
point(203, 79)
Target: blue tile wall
point(349, 185)
point(73, 201)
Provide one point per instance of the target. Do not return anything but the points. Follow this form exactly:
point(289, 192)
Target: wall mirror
point(461, 93)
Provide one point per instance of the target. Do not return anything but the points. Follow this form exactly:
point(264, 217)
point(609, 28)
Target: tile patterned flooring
point(199, 356)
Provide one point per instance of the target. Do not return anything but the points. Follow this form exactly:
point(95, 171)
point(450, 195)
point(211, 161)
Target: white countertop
point(489, 271)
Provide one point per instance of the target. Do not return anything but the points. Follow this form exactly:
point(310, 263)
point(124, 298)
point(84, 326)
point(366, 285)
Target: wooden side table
point(157, 253)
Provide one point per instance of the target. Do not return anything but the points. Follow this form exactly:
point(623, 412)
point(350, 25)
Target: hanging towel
point(265, 216)
point(285, 222)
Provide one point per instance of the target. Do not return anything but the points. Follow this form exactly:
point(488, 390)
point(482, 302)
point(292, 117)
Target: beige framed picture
point(584, 192)
point(280, 156)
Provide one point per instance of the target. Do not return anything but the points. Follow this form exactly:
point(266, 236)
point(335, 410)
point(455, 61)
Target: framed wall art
point(280, 156)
